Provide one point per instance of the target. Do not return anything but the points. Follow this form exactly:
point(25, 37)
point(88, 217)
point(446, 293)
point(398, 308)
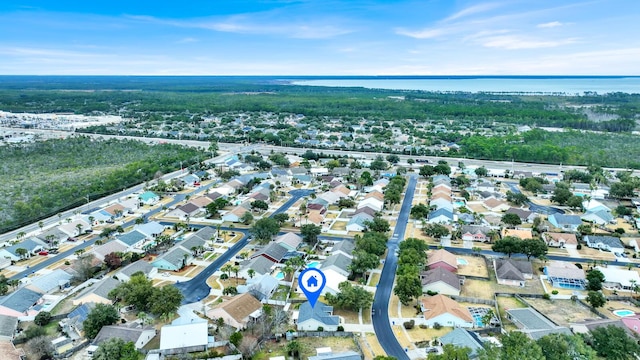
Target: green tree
point(350, 297)
point(511, 219)
point(595, 278)
point(516, 198)
point(392, 158)
point(451, 352)
point(508, 245)
point(346, 203)
point(371, 242)
point(236, 338)
point(534, 248)
point(407, 288)
point(515, 346)
point(378, 164)
point(363, 262)
point(43, 318)
point(596, 299)
point(378, 224)
point(259, 205)
point(116, 348)
point(612, 342)
point(101, 315)
point(294, 348)
point(246, 218)
point(165, 300)
point(436, 230)
point(481, 171)
point(310, 233)
point(419, 211)
point(281, 218)
point(21, 252)
point(427, 171)
point(137, 292)
point(575, 202)
point(265, 229)
point(561, 193)
point(565, 347)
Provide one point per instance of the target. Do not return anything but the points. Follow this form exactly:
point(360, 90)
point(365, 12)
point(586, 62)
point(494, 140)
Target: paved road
point(381, 300)
point(197, 289)
point(540, 209)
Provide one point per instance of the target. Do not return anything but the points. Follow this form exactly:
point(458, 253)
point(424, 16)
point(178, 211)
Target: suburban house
point(73, 323)
point(262, 287)
point(371, 202)
point(358, 222)
point(463, 338)
point(4, 263)
point(9, 351)
point(565, 222)
point(525, 216)
point(114, 246)
point(174, 259)
point(74, 228)
point(440, 281)
point(442, 259)
point(290, 241)
point(138, 336)
point(8, 326)
point(440, 216)
point(495, 205)
point(512, 272)
point(52, 237)
point(142, 266)
point(31, 245)
point(321, 315)
point(238, 311)
point(532, 323)
point(524, 234)
point(321, 354)
point(632, 323)
point(133, 239)
point(560, 240)
point(20, 303)
point(334, 278)
point(475, 233)
point(55, 280)
point(236, 214)
point(260, 265)
point(337, 262)
point(344, 247)
point(607, 243)
point(149, 198)
point(273, 251)
point(600, 217)
point(184, 211)
point(97, 293)
point(152, 229)
point(193, 244)
point(443, 310)
point(619, 279)
point(184, 335)
point(565, 275)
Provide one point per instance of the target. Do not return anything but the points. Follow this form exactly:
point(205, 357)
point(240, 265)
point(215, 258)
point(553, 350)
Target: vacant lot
point(562, 312)
point(476, 266)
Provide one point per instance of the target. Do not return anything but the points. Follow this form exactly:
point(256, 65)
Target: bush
point(43, 318)
point(437, 326)
point(579, 247)
point(320, 328)
point(34, 331)
point(340, 328)
point(432, 293)
point(555, 292)
point(423, 326)
point(546, 296)
point(578, 265)
point(409, 324)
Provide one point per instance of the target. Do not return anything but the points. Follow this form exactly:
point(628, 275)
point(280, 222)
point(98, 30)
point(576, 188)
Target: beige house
point(238, 311)
point(97, 293)
point(560, 240)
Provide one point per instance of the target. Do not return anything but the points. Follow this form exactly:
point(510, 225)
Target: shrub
point(432, 293)
point(43, 318)
point(555, 292)
point(409, 324)
point(423, 326)
point(437, 326)
point(34, 331)
point(320, 328)
point(578, 265)
point(546, 296)
point(579, 247)
point(340, 328)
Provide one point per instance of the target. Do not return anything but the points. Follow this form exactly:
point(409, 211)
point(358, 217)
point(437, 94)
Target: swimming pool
point(458, 203)
point(279, 275)
point(478, 320)
point(462, 261)
point(623, 313)
point(313, 264)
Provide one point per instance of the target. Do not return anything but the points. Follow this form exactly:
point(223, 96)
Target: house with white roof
point(71, 228)
point(619, 279)
point(151, 229)
point(185, 335)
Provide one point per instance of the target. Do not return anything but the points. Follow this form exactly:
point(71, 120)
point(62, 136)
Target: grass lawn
point(339, 225)
point(375, 346)
point(476, 266)
point(417, 334)
point(308, 347)
point(213, 283)
point(350, 317)
point(375, 277)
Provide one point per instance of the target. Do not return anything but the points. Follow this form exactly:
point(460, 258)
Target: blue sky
point(320, 37)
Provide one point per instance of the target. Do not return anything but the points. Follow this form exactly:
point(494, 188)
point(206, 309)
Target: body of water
point(512, 85)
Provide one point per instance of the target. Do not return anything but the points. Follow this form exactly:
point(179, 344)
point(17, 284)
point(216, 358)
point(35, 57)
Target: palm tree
point(41, 225)
point(251, 273)
point(228, 268)
point(22, 252)
point(293, 348)
point(49, 238)
point(79, 227)
point(79, 252)
point(20, 235)
point(91, 220)
point(288, 270)
point(235, 269)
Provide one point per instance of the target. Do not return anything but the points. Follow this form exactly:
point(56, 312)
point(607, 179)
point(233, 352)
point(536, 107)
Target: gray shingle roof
point(260, 264)
point(347, 355)
point(175, 256)
point(113, 331)
point(567, 219)
point(440, 274)
point(51, 281)
point(101, 288)
point(20, 300)
point(463, 338)
point(613, 242)
point(131, 237)
point(510, 269)
point(206, 233)
point(338, 260)
point(139, 265)
point(8, 325)
point(274, 251)
point(321, 312)
point(530, 319)
point(193, 241)
point(346, 246)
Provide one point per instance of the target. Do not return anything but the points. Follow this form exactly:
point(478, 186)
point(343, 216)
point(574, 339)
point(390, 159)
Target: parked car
point(43, 253)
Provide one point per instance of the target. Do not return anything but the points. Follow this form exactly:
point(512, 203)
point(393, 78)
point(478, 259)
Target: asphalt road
point(540, 209)
point(197, 289)
point(381, 300)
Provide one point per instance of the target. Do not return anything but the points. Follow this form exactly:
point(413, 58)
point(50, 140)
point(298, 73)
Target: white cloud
point(551, 24)
point(425, 33)
point(515, 42)
point(472, 10)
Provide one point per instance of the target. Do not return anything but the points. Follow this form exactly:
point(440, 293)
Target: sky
point(320, 37)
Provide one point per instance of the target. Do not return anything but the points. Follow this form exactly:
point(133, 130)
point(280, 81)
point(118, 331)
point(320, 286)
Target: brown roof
point(442, 255)
point(520, 233)
point(568, 238)
point(493, 202)
point(9, 352)
point(315, 217)
point(375, 194)
point(201, 201)
point(214, 195)
point(241, 306)
point(439, 304)
point(342, 189)
point(113, 208)
point(441, 195)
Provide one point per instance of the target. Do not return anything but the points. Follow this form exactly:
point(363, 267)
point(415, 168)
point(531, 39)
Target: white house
point(445, 311)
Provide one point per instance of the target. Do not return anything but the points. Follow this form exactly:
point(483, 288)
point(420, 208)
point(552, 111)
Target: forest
point(44, 178)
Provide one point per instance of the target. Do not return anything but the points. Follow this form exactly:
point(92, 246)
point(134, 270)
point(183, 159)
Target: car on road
point(43, 253)
point(53, 251)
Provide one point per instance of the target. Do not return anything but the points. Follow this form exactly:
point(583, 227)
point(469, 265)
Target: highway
point(382, 297)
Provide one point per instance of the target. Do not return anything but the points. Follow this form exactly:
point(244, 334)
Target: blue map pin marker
point(312, 281)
